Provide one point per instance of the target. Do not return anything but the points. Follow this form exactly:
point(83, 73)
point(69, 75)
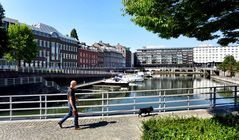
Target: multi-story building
point(121, 49)
point(128, 58)
point(8, 21)
point(112, 58)
point(214, 54)
point(126, 54)
point(55, 49)
point(164, 57)
point(88, 56)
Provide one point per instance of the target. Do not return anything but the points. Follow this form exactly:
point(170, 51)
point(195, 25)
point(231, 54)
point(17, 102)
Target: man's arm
point(77, 100)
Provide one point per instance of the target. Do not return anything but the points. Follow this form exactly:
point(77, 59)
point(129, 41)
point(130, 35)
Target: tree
point(237, 66)
point(74, 34)
point(199, 19)
point(21, 43)
point(3, 34)
point(229, 62)
point(222, 67)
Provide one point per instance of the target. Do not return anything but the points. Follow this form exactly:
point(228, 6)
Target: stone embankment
point(232, 80)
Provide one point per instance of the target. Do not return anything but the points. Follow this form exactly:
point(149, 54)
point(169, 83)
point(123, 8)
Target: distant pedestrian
point(72, 105)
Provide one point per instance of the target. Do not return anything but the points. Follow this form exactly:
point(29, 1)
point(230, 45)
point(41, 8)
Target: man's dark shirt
point(71, 92)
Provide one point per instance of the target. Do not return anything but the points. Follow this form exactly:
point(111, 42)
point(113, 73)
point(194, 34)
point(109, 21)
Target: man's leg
point(66, 116)
point(76, 120)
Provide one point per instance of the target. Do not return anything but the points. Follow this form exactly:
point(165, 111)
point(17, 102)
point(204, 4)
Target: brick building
point(88, 56)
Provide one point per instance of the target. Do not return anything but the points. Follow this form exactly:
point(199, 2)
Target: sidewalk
point(106, 128)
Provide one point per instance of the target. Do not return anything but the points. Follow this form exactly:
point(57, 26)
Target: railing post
point(102, 103)
point(159, 101)
point(107, 102)
point(164, 106)
point(214, 97)
point(134, 104)
point(10, 107)
point(40, 106)
point(188, 101)
point(14, 81)
point(45, 106)
point(210, 90)
point(5, 81)
point(235, 96)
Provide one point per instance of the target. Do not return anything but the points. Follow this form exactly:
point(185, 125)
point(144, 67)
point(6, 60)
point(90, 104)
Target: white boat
point(139, 77)
point(148, 74)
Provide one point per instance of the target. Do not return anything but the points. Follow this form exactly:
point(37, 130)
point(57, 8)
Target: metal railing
point(11, 66)
point(44, 106)
point(28, 80)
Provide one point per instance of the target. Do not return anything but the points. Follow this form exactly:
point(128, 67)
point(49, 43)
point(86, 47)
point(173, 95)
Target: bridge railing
point(27, 80)
point(55, 70)
point(45, 106)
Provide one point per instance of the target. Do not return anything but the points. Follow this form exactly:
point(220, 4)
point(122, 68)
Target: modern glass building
point(164, 57)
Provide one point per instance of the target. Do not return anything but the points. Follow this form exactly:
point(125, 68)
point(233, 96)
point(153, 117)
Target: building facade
point(88, 56)
point(128, 59)
point(55, 49)
point(121, 49)
point(164, 57)
point(111, 57)
point(126, 54)
point(214, 54)
point(8, 21)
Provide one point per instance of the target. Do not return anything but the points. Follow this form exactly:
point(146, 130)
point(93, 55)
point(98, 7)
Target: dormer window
point(54, 34)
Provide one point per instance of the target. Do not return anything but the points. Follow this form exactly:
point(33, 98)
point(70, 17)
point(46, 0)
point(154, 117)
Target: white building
point(206, 54)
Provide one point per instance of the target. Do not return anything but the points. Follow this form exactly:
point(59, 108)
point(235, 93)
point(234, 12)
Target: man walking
point(72, 105)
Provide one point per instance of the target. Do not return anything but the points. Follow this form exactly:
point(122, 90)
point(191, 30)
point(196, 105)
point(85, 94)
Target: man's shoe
point(60, 124)
point(77, 128)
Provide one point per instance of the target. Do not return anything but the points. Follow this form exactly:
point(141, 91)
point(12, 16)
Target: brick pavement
point(106, 128)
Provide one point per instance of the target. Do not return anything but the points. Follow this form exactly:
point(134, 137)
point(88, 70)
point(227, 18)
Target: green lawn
point(178, 128)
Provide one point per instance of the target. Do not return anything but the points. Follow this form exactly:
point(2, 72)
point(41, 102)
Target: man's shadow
point(93, 125)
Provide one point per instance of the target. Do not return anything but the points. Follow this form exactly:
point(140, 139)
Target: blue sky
point(94, 20)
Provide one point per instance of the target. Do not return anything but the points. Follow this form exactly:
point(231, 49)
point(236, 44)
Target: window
point(40, 43)
point(40, 53)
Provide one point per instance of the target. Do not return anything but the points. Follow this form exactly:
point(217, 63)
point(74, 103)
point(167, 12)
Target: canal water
point(158, 82)
point(161, 82)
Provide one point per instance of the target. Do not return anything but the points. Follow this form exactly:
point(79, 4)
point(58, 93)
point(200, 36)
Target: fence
point(11, 66)
point(44, 106)
point(27, 80)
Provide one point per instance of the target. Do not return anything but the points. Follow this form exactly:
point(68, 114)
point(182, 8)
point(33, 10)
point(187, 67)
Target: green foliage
point(199, 19)
point(1, 14)
point(222, 67)
point(74, 34)
point(237, 66)
point(229, 62)
point(21, 43)
point(3, 34)
point(176, 128)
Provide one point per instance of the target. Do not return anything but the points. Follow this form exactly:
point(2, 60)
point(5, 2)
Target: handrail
point(28, 80)
point(110, 103)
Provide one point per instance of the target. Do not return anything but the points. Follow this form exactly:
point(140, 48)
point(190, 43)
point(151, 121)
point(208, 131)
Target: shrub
point(179, 128)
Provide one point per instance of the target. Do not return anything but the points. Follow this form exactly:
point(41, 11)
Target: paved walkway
point(107, 128)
